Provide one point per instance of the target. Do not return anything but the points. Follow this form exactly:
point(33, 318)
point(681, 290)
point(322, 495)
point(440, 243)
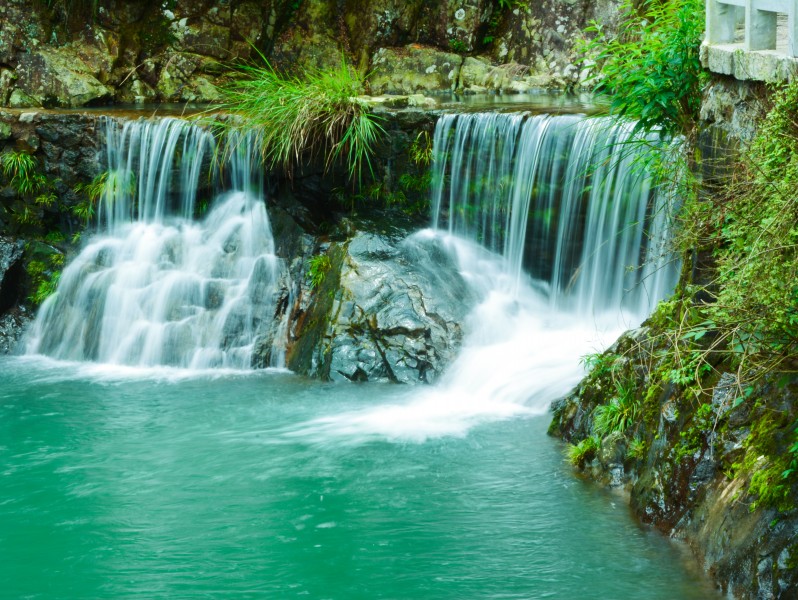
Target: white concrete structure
point(752, 39)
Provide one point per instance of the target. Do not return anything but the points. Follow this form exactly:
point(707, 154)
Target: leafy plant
point(600, 364)
point(619, 413)
point(44, 277)
point(650, 68)
point(583, 452)
point(109, 184)
point(421, 149)
point(34, 192)
point(457, 46)
point(637, 449)
point(293, 118)
point(318, 267)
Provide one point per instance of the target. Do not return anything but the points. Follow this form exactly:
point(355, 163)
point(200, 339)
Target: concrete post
point(792, 28)
point(760, 28)
point(721, 22)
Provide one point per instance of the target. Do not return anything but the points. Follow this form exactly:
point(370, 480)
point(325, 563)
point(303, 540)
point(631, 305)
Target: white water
point(499, 178)
point(158, 288)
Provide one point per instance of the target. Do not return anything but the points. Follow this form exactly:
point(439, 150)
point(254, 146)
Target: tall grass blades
point(299, 118)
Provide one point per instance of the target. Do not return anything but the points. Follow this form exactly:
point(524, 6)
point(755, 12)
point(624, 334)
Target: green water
point(118, 486)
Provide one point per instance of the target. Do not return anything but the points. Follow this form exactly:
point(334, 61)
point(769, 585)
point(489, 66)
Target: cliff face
point(77, 53)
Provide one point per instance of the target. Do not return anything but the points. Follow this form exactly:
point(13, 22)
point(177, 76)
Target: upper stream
point(142, 457)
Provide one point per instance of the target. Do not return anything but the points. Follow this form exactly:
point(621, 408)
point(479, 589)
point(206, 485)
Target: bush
point(651, 67)
point(296, 118)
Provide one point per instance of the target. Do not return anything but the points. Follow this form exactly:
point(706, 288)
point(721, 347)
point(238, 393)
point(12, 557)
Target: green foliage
point(318, 267)
point(421, 149)
point(771, 475)
point(34, 192)
point(294, 118)
point(44, 277)
point(651, 68)
point(753, 224)
point(457, 46)
point(692, 438)
point(600, 364)
point(618, 415)
point(583, 452)
point(637, 449)
point(19, 168)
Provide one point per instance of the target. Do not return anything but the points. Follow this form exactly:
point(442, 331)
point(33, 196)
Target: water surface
point(123, 483)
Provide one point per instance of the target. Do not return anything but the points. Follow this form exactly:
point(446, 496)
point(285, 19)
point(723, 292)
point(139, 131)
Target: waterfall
point(158, 287)
point(560, 235)
point(565, 198)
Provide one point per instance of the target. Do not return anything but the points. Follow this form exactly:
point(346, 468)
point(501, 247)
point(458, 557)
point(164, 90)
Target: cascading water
point(557, 229)
point(565, 197)
point(159, 288)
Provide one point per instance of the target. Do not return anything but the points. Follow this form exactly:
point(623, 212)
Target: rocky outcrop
point(734, 107)
point(690, 464)
point(383, 309)
point(68, 54)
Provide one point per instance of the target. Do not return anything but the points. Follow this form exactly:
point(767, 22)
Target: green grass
point(299, 118)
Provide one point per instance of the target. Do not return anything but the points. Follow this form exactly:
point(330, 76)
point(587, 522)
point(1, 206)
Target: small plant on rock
point(583, 452)
point(319, 265)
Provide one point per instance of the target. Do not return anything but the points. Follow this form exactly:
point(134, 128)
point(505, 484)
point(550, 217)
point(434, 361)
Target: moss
point(766, 462)
point(313, 325)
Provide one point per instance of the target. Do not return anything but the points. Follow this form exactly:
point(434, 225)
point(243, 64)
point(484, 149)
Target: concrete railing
point(759, 18)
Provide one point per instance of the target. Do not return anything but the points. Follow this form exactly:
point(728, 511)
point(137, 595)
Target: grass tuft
point(299, 118)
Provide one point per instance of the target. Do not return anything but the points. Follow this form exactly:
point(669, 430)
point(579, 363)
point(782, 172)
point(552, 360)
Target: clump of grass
point(300, 117)
point(619, 413)
point(317, 270)
point(583, 452)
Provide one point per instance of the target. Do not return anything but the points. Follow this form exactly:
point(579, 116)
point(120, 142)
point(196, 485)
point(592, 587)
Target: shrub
point(651, 68)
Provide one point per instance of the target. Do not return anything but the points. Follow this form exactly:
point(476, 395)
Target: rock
point(7, 79)
point(58, 77)
point(19, 99)
point(181, 80)
point(734, 107)
point(395, 313)
point(10, 253)
point(414, 69)
point(12, 326)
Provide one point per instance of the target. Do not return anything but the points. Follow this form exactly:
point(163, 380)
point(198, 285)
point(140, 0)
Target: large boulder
point(413, 69)
point(60, 77)
point(387, 310)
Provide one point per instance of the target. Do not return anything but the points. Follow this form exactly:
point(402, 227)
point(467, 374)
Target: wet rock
point(12, 326)
point(394, 314)
point(182, 79)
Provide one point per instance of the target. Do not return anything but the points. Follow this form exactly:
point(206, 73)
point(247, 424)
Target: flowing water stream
point(142, 457)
